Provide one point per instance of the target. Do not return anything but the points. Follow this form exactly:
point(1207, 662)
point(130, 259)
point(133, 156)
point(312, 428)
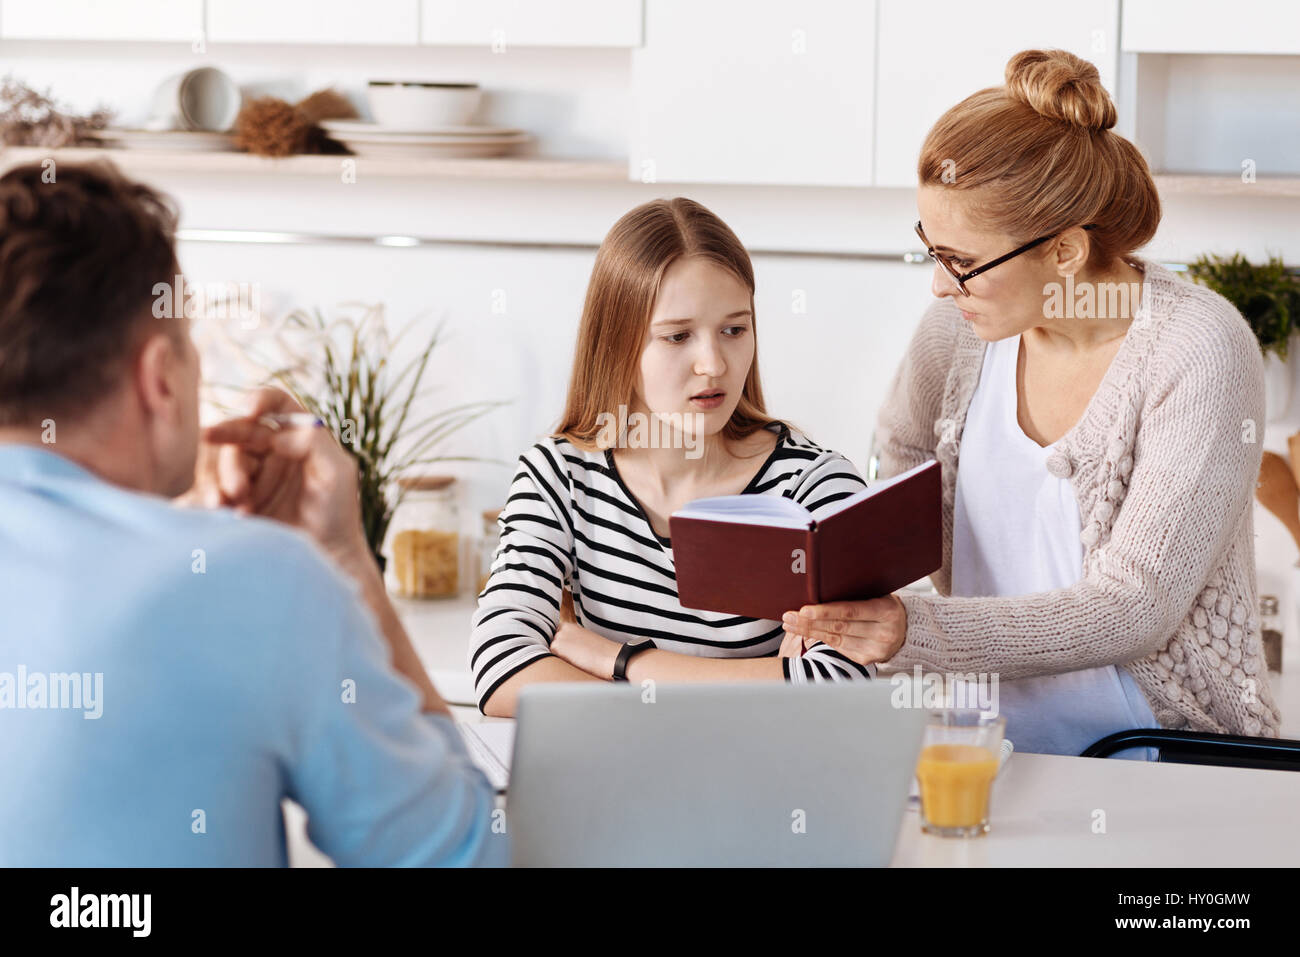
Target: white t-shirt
point(1015, 532)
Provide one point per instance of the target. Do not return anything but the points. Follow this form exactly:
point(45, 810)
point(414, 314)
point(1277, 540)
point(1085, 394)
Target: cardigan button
point(1059, 464)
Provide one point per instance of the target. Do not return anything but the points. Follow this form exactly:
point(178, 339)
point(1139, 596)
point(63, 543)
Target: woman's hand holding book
point(868, 632)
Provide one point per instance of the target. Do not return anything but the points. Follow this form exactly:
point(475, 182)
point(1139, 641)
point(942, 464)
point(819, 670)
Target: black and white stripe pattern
point(569, 520)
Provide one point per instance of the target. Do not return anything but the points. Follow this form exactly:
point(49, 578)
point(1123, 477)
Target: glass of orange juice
point(959, 759)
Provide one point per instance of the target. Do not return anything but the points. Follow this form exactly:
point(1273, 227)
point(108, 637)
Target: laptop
point(750, 774)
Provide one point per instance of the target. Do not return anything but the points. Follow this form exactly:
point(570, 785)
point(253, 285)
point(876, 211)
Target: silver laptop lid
point(690, 774)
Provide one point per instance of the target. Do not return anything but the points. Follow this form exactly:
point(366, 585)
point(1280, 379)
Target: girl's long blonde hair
point(621, 296)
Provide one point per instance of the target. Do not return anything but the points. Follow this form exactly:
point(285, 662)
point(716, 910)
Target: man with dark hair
point(168, 675)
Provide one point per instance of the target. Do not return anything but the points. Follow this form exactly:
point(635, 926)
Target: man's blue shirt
point(183, 670)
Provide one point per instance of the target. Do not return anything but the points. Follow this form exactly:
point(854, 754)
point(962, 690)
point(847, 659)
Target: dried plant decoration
point(325, 105)
point(32, 118)
point(269, 126)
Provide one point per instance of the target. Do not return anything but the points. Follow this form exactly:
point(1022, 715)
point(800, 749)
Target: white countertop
point(1056, 811)
point(1049, 810)
point(439, 630)
point(1053, 810)
point(1045, 808)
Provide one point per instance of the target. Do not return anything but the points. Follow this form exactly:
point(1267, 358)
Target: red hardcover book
point(763, 555)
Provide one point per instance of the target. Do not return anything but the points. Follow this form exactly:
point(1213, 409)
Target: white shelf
point(508, 167)
point(158, 161)
point(1227, 185)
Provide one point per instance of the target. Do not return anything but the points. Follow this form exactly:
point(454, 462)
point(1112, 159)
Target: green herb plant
point(1268, 296)
point(368, 406)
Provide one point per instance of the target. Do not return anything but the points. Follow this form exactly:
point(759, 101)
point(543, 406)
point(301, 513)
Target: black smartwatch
point(625, 656)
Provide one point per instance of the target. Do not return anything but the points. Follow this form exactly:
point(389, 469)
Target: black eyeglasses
point(961, 278)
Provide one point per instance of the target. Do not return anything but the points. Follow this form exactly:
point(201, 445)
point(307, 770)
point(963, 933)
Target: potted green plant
point(1268, 296)
point(340, 373)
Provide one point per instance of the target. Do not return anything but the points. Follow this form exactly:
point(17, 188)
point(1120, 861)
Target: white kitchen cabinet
point(175, 20)
point(394, 22)
point(935, 54)
point(763, 92)
point(1211, 26)
point(501, 24)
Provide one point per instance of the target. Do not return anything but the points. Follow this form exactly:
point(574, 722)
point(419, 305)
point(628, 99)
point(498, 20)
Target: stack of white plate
point(196, 141)
point(447, 142)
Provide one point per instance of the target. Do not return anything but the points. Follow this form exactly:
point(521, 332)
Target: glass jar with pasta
point(423, 546)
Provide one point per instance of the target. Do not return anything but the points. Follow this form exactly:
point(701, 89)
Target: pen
point(289, 420)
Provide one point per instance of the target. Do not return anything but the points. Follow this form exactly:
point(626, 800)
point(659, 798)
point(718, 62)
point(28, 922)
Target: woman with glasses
point(1098, 422)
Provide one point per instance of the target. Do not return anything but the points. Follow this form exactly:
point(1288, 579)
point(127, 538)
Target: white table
point(1043, 809)
point(439, 630)
point(1043, 805)
point(1156, 815)
point(1043, 812)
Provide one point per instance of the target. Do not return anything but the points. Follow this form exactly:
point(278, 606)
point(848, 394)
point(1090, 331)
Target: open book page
point(490, 745)
point(776, 511)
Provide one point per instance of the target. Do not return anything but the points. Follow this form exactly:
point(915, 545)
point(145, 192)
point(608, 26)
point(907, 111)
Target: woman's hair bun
point(1061, 86)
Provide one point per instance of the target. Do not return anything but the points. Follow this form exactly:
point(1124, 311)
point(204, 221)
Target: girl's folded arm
point(519, 608)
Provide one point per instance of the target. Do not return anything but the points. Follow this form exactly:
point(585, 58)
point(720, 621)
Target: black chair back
point(1203, 747)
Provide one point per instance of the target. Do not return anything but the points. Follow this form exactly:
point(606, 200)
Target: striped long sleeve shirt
point(570, 521)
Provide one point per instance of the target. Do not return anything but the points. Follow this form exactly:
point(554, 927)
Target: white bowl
point(418, 107)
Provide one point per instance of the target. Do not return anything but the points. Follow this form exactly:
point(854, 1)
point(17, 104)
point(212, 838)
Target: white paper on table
point(490, 745)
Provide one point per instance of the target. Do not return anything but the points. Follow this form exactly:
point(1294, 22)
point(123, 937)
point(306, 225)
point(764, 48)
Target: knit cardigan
point(1163, 463)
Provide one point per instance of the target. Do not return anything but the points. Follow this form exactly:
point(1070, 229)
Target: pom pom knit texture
point(1163, 463)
